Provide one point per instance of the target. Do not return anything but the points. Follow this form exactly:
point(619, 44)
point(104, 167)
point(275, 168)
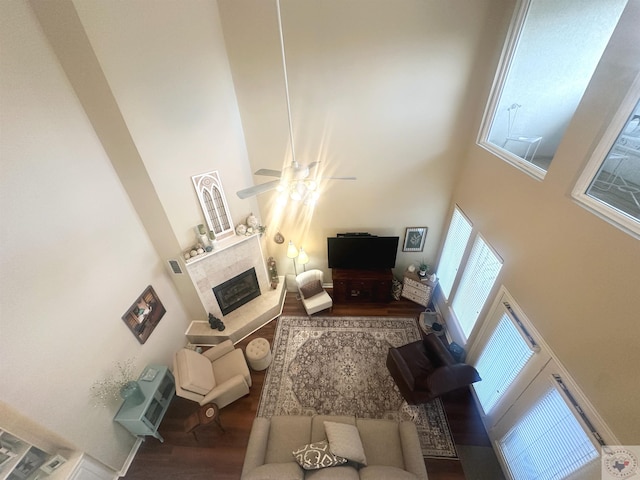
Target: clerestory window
point(550, 54)
point(610, 184)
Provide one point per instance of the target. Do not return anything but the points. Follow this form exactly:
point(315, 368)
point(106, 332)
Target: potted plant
point(423, 268)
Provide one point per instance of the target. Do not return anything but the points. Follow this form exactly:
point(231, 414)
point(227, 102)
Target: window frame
point(478, 237)
point(445, 303)
point(465, 250)
point(504, 66)
point(600, 153)
point(509, 55)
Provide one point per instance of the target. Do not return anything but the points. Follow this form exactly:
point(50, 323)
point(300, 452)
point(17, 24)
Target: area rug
point(336, 366)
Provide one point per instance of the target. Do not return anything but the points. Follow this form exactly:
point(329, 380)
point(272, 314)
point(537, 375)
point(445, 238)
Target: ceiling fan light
point(282, 199)
point(295, 195)
point(311, 185)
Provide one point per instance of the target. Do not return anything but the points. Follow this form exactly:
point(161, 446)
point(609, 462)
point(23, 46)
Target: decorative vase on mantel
point(132, 392)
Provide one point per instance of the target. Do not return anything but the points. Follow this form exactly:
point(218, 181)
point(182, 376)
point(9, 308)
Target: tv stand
point(358, 286)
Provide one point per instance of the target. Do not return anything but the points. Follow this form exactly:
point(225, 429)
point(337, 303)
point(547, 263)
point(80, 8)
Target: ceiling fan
point(296, 180)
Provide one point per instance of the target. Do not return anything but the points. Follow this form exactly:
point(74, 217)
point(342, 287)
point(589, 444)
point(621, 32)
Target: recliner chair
point(219, 375)
point(425, 369)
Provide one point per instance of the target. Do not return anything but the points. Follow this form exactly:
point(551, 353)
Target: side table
point(158, 389)
point(203, 416)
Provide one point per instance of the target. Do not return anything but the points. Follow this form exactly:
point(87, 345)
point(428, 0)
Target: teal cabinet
point(143, 418)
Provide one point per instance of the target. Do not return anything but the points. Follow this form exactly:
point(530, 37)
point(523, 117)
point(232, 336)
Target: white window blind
point(547, 442)
point(502, 359)
point(453, 250)
point(478, 278)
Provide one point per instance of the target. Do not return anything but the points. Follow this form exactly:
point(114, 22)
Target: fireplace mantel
point(221, 246)
point(231, 257)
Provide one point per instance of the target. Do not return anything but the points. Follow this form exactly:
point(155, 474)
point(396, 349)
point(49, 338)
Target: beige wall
point(378, 90)
point(574, 275)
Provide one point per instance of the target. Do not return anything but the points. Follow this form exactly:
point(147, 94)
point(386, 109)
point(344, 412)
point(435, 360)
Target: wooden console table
point(353, 286)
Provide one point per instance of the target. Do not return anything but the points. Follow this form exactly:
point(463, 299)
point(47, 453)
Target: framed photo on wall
point(414, 238)
point(145, 314)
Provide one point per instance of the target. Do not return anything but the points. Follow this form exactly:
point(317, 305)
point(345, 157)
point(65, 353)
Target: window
point(547, 442)
point(507, 355)
point(465, 282)
point(453, 250)
point(550, 55)
point(214, 204)
point(610, 184)
point(503, 357)
point(479, 276)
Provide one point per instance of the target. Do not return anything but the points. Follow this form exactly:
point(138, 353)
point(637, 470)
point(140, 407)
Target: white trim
point(131, 457)
point(504, 65)
point(553, 361)
point(598, 157)
point(530, 371)
point(464, 339)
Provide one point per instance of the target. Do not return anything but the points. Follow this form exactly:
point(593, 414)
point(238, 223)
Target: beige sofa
point(392, 449)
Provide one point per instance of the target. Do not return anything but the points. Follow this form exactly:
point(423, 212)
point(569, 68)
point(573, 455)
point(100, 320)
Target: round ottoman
point(258, 354)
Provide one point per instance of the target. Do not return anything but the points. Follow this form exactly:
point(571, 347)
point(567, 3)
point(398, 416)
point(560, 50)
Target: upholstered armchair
point(219, 375)
point(425, 369)
point(313, 295)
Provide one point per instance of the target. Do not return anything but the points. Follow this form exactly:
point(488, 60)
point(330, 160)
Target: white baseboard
point(130, 457)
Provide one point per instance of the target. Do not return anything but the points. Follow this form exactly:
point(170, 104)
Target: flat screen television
point(362, 251)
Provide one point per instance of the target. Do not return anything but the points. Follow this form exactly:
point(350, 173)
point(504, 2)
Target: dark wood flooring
point(218, 455)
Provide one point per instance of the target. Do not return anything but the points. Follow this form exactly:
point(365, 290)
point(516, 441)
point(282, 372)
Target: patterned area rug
point(336, 366)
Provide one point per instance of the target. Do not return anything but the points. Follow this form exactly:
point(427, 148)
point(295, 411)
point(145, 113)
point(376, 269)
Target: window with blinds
point(502, 359)
point(478, 278)
point(547, 442)
point(453, 250)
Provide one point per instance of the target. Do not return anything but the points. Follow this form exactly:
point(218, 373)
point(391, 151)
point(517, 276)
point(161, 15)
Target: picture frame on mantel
point(414, 238)
point(144, 314)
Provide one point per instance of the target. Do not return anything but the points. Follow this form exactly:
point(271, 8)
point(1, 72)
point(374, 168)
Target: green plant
point(423, 267)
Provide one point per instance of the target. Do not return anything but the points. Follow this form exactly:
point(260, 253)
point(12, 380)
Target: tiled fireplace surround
point(230, 258)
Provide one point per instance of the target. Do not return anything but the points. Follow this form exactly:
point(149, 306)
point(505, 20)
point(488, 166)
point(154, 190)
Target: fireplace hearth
point(237, 291)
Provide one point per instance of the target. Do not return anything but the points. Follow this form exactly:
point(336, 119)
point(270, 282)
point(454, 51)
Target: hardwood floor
point(218, 455)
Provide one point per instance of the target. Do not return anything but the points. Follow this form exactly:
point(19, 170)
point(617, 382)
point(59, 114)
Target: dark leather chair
point(425, 369)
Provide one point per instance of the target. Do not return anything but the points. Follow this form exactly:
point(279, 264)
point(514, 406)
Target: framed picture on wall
point(414, 238)
point(144, 315)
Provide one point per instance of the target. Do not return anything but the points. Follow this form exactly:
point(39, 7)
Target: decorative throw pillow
point(311, 289)
point(396, 289)
point(344, 441)
point(317, 455)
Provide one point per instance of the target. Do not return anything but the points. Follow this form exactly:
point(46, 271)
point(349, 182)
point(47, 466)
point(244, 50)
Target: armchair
point(219, 375)
point(425, 369)
point(313, 295)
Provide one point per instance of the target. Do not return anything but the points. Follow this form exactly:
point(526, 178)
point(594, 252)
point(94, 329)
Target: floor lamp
point(303, 258)
point(292, 253)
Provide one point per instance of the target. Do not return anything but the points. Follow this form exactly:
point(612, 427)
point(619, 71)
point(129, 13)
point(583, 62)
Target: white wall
point(74, 253)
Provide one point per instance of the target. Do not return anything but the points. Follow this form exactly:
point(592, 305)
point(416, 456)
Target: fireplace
point(237, 291)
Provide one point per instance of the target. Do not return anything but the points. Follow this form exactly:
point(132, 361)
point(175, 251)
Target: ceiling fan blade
point(257, 189)
point(339, 178)
point(268, 172)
